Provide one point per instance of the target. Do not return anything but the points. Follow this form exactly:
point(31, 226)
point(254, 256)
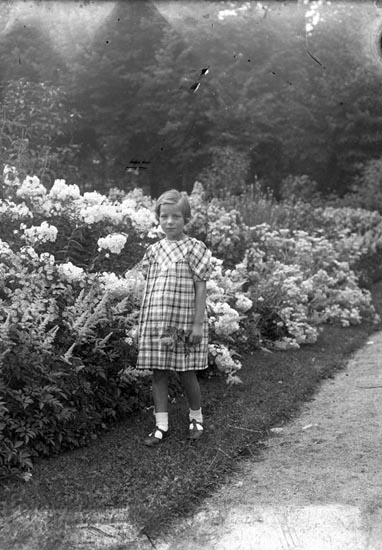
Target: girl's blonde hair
point(174, 197)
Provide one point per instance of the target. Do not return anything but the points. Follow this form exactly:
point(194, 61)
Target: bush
point(223, 231)
point(298, 188)
point(37, 130)
point(66, 359)
point(366, 190)
point(227, 173)
point(70, 290)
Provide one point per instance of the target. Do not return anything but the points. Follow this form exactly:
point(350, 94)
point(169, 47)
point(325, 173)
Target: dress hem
point(172, 369)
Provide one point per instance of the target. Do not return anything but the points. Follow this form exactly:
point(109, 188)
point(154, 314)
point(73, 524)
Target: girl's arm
point(200, 308)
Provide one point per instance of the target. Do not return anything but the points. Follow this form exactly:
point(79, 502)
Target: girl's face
point(171, 221)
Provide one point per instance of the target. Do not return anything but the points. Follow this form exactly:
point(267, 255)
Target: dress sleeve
point(200, 261)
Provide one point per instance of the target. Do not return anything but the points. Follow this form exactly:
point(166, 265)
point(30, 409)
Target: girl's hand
point(196, 334)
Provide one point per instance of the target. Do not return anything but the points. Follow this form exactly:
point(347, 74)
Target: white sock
point(196, 415)
point(161, 420)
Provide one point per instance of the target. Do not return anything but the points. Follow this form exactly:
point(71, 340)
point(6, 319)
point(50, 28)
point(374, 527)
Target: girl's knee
point(160, 375)
point(188, 377)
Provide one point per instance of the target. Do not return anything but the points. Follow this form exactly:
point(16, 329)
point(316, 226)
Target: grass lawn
point(158, 484)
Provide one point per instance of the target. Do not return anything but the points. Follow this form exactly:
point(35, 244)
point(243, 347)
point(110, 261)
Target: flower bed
point(70, 289)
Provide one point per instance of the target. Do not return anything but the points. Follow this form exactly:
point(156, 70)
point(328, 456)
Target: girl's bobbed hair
point(174, 197)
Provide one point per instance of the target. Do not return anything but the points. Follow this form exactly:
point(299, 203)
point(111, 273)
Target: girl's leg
point(160, 396)
point(191, 387)
point(160, 390)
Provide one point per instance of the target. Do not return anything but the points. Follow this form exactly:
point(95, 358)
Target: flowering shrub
point(298, 281)
point(90, 231)
point(223, 231)
point(71, 286)
point(66, 357)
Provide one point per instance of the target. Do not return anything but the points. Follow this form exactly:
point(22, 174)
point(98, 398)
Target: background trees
point(156, 94)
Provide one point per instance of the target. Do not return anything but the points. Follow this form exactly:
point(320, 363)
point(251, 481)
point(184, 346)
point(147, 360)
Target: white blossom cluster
point(113, 243)
point(5, 249)
point(95, 213)
point(15, 211)
point(223, 360)
point(71, 272)
point(31, 188)
point(10, 176)
point(144, 220)
point(40, 233)
point(132, 336)
point(312, 16)
point(214, 291)
point(243, 303)
point(94, 197)
point(49, 207)
point(61, 191)
point(131, 285)
point(226, 319)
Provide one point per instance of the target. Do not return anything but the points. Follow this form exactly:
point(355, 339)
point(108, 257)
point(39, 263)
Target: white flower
point(227, 318)
point(232, 379)
point(10, 176)
point(132, 335)
point(31, 188)
point(130, 286)
point(225, 326)
point(15, 211)
point(47, 258)
point(114, 242)
point(226, 13)
point(5, 248)
point(143, 219)
point(243, 303)
point(9, 169)
point(99, 212)
point(61, 191)
point(94, 198)
point(71, 272)
point(128, 206)
point(309, 27)
point(223, 359)
point(155, 232)
point(41, 234)
point(49, 207)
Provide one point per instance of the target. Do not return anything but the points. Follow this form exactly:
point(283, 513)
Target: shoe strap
point(196, 424)
point(156, 431)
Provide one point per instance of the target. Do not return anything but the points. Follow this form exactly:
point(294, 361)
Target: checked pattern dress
point(168, 305)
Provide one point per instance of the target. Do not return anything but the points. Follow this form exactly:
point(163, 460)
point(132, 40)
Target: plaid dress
point(168, 306)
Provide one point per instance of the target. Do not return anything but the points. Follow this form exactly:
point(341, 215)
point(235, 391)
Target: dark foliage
point(153, 115)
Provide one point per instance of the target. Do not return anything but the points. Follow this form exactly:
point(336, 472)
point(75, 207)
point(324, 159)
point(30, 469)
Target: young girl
point(173, 329)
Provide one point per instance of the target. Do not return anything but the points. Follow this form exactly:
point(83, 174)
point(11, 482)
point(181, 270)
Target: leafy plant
point(227, 173)
point(366, 190)
point(71, 287)
point(37, 129)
